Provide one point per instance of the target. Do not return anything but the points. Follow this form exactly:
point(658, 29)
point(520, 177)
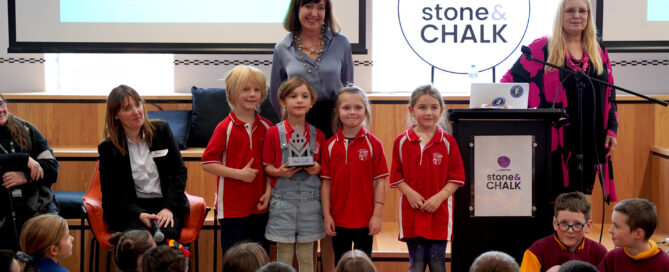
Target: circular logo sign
point(498, 101)
point(504, 161)
point(517, 91)
point(453, 35)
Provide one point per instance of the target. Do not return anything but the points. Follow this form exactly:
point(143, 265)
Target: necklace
point(309, 50)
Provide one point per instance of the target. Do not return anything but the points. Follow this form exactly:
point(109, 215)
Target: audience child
point(354, 173)
point(276, 267)
point(427, 169)
point(244, 257)
point(494, 261)
point(8, 261)
point(632, 224)
point(234, 154)
point(577, 266)
point(164, 258)
point(355, 261)
point(129, 247)
point(571, 222)
point(295, 214)
point(45, 241)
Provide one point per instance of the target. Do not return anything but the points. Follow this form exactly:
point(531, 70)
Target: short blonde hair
point(237, 79)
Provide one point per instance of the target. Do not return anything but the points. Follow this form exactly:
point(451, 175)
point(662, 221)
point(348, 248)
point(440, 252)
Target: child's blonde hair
point(128, 246)
point(237, 79)
point(39, 234)
point(288, 86)
point(355, 261)
point(245, 257)
point(336, 122)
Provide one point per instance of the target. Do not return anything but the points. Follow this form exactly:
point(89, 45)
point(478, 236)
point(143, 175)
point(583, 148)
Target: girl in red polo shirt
point(427, 169)
point(234, 154)
point(295, 214)
point(354, 173)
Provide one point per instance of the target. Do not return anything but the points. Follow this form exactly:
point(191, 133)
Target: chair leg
point(97, 256)
point(215, 242)
point(108, 266)
point(197, 255)
point(82, 244)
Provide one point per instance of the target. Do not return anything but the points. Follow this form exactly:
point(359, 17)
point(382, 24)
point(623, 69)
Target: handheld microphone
point(158, 235)
point(526, 50)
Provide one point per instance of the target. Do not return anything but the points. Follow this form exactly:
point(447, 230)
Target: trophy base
point(300, 161)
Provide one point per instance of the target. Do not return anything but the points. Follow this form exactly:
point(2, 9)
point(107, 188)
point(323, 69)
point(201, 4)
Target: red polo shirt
point(352, 168)
point(232, 146)
point(272, 147)
point(427, 171)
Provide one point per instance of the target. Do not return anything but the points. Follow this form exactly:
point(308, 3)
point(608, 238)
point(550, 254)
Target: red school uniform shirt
point(426, 170)
point(352, 166)
point(233, 146)
point(272, 153)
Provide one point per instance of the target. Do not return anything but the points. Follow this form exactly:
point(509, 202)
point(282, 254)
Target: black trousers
point(347, 238)
point(152, 205)
point(244, 229)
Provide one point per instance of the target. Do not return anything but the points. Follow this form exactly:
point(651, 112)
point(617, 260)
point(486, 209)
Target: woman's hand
point(146, 218)
point(36, 171)
point(248, 173)
point(314, 169)
point(165, 218)
point(610, 144)
point(13, 179)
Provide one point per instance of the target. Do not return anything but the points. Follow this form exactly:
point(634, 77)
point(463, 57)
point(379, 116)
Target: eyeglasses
point(573, 12)
point(578, 227)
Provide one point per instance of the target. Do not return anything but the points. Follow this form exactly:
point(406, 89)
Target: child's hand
point(375, 224)
point(415, 199)
point(330, 225)
point(431, 204)
point(286, 172)
point(263, 202)
point(314, 169)
point(248, 174)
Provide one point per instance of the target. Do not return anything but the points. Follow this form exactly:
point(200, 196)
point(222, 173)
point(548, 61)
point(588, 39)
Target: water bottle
point(473, 73)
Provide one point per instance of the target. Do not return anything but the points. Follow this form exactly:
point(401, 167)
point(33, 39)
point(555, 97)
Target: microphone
point(526, 50)
point(158, 235)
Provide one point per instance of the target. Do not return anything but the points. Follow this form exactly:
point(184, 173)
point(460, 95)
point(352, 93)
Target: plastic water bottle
point(473, 73)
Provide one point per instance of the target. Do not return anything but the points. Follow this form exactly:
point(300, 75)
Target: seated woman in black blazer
point(142, 174)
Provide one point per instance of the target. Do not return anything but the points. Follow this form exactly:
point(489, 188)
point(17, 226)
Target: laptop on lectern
point(499, 95)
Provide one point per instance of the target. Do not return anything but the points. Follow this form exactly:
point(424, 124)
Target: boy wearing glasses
point(632, 223)
point(571, 222)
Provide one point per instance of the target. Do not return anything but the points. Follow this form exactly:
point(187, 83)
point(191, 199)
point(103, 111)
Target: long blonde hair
point(557, 41)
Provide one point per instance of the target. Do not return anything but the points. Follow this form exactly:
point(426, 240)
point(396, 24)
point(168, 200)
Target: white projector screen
point(634, 26)
point(162, 26)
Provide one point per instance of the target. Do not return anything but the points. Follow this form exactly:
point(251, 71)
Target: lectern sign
point(502, 175)
point(455, 34)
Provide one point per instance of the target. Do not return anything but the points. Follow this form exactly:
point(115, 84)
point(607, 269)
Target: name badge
point(159, 153)
point(17, 193)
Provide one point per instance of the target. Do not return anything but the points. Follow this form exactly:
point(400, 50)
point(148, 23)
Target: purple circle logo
point(504, 161)
point(498, 101)
point(517, 91)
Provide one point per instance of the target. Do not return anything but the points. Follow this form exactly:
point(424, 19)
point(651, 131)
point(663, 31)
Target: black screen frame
point(626, 46)
point(166, 48)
